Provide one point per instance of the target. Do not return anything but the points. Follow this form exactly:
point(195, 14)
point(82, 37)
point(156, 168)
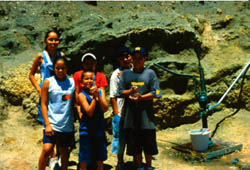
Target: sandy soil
point(20, 141)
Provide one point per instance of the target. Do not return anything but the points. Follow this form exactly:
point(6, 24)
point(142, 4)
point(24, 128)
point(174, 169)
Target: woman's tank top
point(46, 68)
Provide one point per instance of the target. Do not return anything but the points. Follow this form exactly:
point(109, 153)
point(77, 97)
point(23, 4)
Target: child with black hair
point(118, 144)
point(139, 87)
point(56, 104)
point(93, 104)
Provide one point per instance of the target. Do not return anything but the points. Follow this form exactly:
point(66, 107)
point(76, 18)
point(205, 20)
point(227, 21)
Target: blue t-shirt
point(93, 126)
point(139, 115)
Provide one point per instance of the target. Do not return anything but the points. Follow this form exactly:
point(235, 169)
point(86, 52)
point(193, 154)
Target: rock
point(219, 11)
point(222, 30)
point(3, 108)
point(94, 3)
point(7, 44)
point(109, 25)
point(4, 27)
point(222, 23)
point(15, 85)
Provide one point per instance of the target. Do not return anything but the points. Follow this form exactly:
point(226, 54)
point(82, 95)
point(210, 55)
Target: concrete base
point(218, 149)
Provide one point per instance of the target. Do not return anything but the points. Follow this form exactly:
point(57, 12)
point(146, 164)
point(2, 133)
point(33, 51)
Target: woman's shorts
point(92, 148)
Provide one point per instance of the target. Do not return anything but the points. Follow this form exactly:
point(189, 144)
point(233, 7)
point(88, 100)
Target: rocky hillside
point(168, 30)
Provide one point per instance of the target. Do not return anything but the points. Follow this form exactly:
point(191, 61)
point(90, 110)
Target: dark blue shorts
point(141, 140)
point(62, 139)
point(92, 148)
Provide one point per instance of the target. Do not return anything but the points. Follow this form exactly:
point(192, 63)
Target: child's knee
point(47, 150)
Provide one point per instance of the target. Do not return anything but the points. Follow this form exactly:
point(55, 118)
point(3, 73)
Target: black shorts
point(141, 140)
point(62, 139)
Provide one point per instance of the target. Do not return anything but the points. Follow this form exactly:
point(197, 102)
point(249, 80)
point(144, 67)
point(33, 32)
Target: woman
point(44, 60)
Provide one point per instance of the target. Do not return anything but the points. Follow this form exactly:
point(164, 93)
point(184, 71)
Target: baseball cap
point(88, 55)
point(140, 50)
point(122, 50)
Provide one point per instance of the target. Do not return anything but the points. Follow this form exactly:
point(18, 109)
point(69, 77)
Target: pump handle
point(197, 50)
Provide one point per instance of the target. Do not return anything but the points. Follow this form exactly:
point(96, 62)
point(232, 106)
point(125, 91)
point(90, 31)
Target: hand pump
point(199, 87)
point(202, 96)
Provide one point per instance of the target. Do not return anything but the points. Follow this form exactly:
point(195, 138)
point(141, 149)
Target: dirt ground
point(20, 144)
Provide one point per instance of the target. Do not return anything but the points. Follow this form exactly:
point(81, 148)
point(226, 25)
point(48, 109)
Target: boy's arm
point(44, 100)
point(154, 89)
point(113, 101)
point(123, 92)
point(113, 92)
point(88, 108)
point(148, 96)
point(77, 106)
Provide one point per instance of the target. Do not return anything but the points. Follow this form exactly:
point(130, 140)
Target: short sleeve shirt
point(113, 90)
point(100, 81)
point(139, 114)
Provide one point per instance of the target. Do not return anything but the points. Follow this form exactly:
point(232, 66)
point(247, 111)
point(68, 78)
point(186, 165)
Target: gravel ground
point(20, 141)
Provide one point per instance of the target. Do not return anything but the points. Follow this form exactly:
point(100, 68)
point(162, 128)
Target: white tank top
point(60, 95)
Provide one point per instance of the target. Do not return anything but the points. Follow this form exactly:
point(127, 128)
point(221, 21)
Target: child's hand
point(49, 131)
point(133, 90)
point(136, 97)
point(119, 74)
point(92, 90)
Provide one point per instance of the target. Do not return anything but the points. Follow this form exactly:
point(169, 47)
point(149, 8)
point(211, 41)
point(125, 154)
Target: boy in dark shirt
point(139, 86)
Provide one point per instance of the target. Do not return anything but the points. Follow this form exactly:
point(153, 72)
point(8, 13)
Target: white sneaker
point(59, 161)
point(53, 164)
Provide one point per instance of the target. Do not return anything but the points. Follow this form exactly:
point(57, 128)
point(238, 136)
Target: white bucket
point(200, 139)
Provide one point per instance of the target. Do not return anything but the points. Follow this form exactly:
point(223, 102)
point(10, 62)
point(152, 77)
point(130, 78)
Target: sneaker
point(142, 168)
point(59, 161)
point(149, 168)
point(56, 167)
point(53, 164)
point(120, 166)
point(50, 160)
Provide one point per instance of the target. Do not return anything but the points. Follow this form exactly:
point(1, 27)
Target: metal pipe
point(229, 89)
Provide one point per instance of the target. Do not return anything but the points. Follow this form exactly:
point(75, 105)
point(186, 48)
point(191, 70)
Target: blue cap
point(123, 50)
point(140, 50)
